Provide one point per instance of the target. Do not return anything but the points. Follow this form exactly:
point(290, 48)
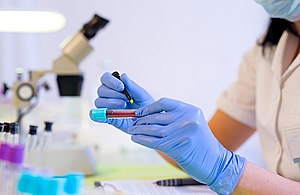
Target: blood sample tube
point(104, 113)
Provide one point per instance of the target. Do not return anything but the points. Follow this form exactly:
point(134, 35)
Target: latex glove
point(181, 131)
point(110, 97)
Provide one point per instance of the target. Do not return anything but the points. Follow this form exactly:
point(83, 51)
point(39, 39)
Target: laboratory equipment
point(37, 183)
point(69, 76)
point(4, 155)
point(14, 167)
point(31, 143)
point(59, 157)
point(74, 156)
point(14, 137)
point(5, 132)
point(104, 113)
point(46, 137)
point(44, 143)
point(1, 127)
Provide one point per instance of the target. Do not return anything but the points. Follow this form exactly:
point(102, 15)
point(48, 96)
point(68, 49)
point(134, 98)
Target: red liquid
point(121, 114)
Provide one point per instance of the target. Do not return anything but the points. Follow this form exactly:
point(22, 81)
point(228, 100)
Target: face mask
point(285, 9)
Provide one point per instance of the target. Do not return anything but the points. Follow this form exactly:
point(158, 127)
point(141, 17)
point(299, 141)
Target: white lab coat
point(266, 96)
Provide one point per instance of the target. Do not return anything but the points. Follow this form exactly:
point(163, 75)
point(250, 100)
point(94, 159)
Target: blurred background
point(186, 50)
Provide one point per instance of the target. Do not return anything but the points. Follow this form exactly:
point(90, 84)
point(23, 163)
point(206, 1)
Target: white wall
point(187, 50)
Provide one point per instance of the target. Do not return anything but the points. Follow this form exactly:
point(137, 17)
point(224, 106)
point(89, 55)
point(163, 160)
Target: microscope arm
point(74, 52)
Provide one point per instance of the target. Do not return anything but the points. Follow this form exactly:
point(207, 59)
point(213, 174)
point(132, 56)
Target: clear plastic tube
point(4, 155)
point(13, 137)
point(120, 114)
point(5, 132)
point(31, 144)
point(44, 143)
point(14, 168)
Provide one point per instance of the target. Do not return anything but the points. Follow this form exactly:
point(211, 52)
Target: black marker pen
point(125, 92)
point(178, 182)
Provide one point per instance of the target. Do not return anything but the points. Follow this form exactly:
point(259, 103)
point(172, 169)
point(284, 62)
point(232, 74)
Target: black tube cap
point(6, 127)
point(32, 130)
point(48, 126)
point(14, 128)
point(1, 127)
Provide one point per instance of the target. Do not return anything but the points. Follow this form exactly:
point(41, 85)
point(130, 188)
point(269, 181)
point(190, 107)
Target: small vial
point(45, 142)
point(46, 136)
point(104, 113)
point(31, 143)
point(4, 155)
point(5, 132)
point(1, 127)
point(14, 137)
point(1, 131)
point(14, 167)
point(74, 183)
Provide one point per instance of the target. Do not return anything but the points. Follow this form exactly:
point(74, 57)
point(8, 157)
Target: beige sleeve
point(238, 101)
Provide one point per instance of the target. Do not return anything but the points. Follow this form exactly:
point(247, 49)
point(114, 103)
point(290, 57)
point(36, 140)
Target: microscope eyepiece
point(91, 28)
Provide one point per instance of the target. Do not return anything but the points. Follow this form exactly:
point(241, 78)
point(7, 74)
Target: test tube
point(1, 127)
point(31, 143)
point(4, 155)
point(14, 167)
point(14, 137)
point(44, 142)
point(46, 136)
point(104, 113)
point(5, 132)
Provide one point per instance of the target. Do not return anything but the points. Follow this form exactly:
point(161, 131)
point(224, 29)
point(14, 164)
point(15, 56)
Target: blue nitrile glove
point(181, 131)
point(110, 97)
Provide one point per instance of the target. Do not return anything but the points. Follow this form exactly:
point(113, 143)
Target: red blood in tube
point(121, 114)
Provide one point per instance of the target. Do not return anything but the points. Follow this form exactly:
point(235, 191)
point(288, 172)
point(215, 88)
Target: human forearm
point(256, 180)
point(230, 132)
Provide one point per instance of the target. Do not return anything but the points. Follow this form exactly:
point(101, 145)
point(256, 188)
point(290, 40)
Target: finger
point(164, 104)
point(163, 118)
point(110, 103)
point(105, 92)
point(159, 130)
point(149, 130)
point(112, 82)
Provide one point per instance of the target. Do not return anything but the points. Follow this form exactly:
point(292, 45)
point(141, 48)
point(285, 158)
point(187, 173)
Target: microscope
point(69, 81)
point(69, 77)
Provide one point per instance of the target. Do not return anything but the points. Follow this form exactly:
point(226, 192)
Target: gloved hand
point(181, 131)
point(111, 97)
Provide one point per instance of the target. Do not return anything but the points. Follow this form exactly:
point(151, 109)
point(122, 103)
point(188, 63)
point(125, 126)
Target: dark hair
point(276, 27)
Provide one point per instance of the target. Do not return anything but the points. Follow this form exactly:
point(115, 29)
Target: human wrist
point(228, 178)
